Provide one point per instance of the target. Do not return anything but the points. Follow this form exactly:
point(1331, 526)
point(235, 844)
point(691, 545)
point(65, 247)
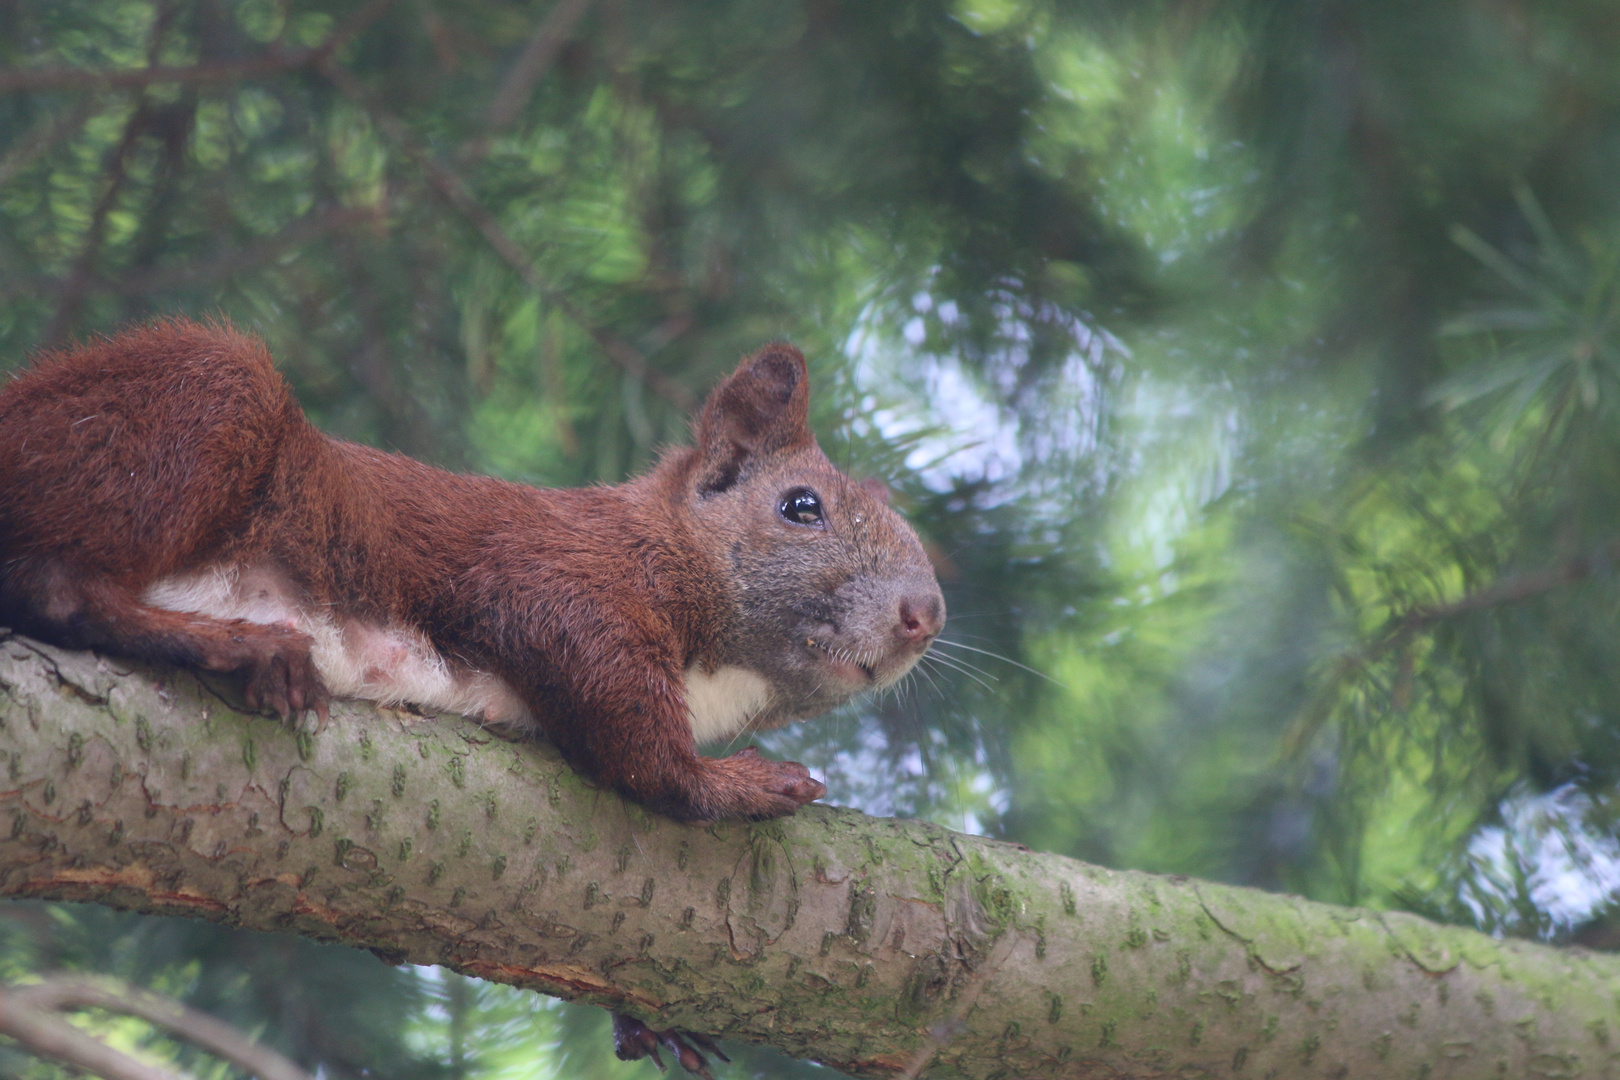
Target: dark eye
point(802, 507)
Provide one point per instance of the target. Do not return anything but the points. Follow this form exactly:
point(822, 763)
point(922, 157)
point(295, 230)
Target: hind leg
point(80, 612)
point(633, 1040)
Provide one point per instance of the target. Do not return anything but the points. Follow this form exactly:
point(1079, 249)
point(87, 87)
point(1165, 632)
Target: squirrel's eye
point(802, 507)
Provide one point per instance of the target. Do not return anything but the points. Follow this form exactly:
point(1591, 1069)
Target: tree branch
point(72, 287)
point(453, 190)
point(550, 36)
point(867, 944)
point(1516, 590)
point(25, 1015)
point(33, 80)
point(274, 61)
point(53, 1038)
point(221, 265)
point(1398, 632)
point(43, 136)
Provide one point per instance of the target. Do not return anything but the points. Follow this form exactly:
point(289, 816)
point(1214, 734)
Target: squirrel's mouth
point(852, 665)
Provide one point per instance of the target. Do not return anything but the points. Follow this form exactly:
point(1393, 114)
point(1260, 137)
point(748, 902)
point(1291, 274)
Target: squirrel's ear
point(763, 407)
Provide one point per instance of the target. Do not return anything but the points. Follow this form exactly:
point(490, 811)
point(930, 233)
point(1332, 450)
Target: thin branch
point(357, 24)
point(218, 1038)
point(72, 78)
point(1513, 590)
point(138, 124)
point(226, 264)
point(529, 68)
point(81, 276)
point(73, 286)
point(1400, 630)
point(453, 189)
point(218, 267)
point(272, 62)
point(42, 136)
point(45, 1036)
point(1516, 590)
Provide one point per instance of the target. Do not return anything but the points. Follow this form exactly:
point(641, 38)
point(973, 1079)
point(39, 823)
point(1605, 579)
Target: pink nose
point(920, 619)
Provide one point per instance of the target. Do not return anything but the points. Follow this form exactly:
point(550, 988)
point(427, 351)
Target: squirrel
point(163, 497)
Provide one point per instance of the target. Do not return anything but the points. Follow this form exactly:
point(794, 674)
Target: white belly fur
point(391, 665)
point(396, 665)
point(720, 705)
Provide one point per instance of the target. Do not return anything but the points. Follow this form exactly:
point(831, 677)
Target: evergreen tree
point(1250, 368)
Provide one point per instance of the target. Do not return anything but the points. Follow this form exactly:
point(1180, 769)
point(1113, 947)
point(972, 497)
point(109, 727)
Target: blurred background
point(1251, 370)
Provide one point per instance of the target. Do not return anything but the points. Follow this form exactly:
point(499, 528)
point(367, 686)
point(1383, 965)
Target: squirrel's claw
point(633, 1040)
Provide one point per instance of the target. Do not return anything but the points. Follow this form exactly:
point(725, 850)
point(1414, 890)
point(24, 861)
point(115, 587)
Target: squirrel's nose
point(921, 617)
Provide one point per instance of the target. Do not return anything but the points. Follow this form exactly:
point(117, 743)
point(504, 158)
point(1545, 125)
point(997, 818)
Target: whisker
point(943, 662)
point(1003, 659)
point(963, 664)
point(920, 670)
point(974, 637)
point(969, 665)
point(916, 686)
point(740, 732)
point(950, 663)
point(907, 681)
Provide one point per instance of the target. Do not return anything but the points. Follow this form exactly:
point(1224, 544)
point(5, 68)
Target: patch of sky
point(1187, 441)
point(865, 769)
point(1549, 849)
point(982, 413)
point(1046, 436)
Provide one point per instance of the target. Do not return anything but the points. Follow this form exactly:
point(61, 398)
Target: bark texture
point(872, 945)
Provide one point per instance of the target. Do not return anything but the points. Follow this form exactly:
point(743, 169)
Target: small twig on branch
point(526, 71)
point(273, 61)
point(224, 265)
point(352, 28)
point(44, 135)
point(62, 992)
point(73, 286)
point(72, 78)
point(1401, 629)
point(81, 275)
point(54, 1039)
point(219, 267)
point(1516, 590)
point(454, 191)
point(1513, 590)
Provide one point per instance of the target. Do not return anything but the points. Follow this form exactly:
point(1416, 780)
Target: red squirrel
point(163, 497)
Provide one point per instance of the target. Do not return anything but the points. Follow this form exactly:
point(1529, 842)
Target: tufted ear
point(763, 407)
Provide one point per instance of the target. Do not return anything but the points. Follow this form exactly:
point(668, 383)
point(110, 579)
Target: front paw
point(749, 785)
point(787, 779)
point(633, 1040)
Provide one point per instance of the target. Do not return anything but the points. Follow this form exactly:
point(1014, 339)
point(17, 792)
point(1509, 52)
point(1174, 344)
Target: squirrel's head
point(834, 593)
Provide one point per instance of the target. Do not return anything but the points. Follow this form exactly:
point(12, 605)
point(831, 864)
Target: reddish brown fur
point(178, 446)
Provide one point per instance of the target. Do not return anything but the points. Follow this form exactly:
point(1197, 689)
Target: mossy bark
point(868, 944)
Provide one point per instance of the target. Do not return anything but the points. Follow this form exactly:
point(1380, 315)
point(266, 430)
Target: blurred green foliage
point(1251, 369)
